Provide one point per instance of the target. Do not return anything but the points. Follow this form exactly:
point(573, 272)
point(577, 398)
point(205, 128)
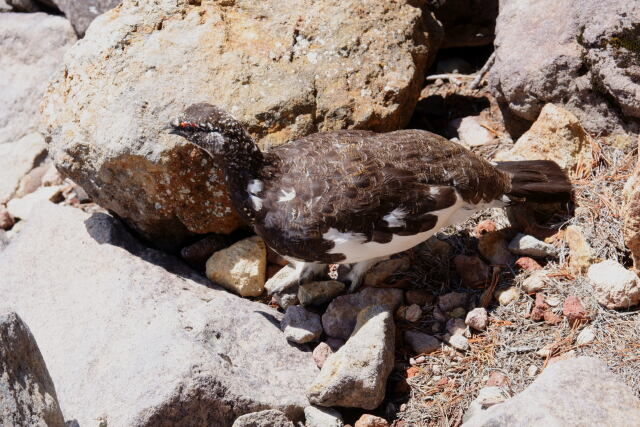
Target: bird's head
point(212, 129)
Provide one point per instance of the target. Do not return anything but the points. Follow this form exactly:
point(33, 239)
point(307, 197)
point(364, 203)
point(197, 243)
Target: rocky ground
point(132, 295)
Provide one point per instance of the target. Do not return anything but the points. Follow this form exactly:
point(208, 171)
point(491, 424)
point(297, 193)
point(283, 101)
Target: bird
point(357, 196)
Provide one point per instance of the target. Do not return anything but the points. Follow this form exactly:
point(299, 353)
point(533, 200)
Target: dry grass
point(447, 381)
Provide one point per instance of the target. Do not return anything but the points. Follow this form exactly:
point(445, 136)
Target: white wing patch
point(355, 249)
point(395, 218)
point(254, 188)
point(287, 195)
point(256, 202)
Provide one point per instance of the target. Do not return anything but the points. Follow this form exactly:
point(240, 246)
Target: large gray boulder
point(285, 69)
point(132, 337)
point(27, 394)
point(82, 12)
point(571, 393)
point(32, 46)
point(576, 54)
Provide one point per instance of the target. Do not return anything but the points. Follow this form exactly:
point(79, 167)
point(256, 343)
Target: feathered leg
point(358, 270)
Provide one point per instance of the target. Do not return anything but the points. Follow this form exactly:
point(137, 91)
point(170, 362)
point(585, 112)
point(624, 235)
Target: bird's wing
point(376, 185)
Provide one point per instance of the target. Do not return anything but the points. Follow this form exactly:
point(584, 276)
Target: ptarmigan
point(354, 196)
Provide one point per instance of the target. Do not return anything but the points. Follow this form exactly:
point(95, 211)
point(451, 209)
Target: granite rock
point(579, 55)
point(147, 340)
point(356, 375)
point(241, 267)
point(580, 391)
point(27, 394)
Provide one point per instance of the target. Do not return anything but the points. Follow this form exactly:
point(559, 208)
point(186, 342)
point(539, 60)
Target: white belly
point(356, 249)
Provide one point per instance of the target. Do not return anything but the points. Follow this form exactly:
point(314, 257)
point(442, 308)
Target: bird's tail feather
point(541, 181)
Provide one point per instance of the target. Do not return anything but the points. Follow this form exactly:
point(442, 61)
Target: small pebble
point(539, 308)
point(300, 325)
point(535, 283)
point(456, 327)
point(493, 247)
point(459, 342)
point(545, 351)
point(524, 244)
point(497, 379)
point(317, 416)
point(586, 336)
point(614, 285)
point(320, 354)
point(477, 319)
point(574, 311)
point(458, 313)
point(528, 264)
point(368, 420)
point(553, 301)
point(419, 297)
point(486, 226)
point(507, 296)
point(316, 293)
point(451, 300)
point(413, 313)
point(421, 342)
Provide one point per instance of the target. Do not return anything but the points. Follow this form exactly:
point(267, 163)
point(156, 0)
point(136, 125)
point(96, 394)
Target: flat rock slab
point(27, 394)
point(576, 392)
point(284, 69)
point(134, 338)
point(32, 46)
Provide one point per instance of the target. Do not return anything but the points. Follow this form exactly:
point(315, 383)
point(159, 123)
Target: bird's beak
point(170, 129)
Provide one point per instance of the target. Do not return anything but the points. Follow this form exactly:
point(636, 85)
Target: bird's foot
point(358, 271)
point(291, 276)
point(333, 271)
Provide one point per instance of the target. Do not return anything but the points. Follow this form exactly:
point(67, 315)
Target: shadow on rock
point(105, 229)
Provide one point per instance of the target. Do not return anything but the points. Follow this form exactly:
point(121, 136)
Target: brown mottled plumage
point(358, 190)
point(351, 179)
